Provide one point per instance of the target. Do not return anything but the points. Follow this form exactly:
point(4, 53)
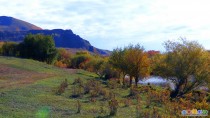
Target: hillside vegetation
point(33, 89)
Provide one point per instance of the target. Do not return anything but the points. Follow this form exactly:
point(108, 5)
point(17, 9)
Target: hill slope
point(13, 24)
point(28, 89)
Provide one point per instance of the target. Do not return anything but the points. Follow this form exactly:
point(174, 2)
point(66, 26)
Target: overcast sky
point(108, 24)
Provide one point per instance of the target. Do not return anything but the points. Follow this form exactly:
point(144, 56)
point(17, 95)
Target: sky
point(108, 24)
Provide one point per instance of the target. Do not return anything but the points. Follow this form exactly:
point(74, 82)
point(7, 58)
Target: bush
point(134, 91)
point(202, 105)
point(105, 93)
point(79, 106)
point(79, 61)
point(60, 64)
point(113, 83)
point(113, 105)
point(61, 88)
point(78, 81)
point(77, 91)
point(64, 57)
point(208, 98)
point(127, 102)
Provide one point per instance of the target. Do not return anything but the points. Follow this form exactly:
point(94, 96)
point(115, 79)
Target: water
point(159, 81)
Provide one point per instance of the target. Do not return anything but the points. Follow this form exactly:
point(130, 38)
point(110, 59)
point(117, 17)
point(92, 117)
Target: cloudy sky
point(108, 24)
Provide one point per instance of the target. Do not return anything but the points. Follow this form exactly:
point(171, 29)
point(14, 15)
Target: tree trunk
point(131, 77)
point(136, 80)
point(123, 79)
point(177, 90)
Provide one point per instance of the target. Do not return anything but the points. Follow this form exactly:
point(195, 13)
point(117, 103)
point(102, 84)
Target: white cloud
point(108, 23)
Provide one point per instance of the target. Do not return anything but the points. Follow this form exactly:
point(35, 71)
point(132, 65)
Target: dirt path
point(12, 77)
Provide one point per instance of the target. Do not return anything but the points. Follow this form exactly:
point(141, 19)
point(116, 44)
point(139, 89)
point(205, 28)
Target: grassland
point(28, 87)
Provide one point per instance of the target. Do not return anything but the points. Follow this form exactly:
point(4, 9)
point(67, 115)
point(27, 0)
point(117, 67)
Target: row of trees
point(87, 61)
point(186, 63)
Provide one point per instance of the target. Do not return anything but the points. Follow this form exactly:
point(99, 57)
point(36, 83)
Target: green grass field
point(27, 90)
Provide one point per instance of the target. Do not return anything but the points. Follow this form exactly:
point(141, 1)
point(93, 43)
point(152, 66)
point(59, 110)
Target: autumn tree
point(152, 53)
point(117, 60)
point(64, 58)
point(187, 64)
point(80, 59)
point(131, 60)
point(96, 64)
point(137, 62)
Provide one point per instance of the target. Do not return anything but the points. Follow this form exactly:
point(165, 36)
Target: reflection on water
point(159, 81)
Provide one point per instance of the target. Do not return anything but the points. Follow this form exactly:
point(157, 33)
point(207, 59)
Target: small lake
point(159, 81)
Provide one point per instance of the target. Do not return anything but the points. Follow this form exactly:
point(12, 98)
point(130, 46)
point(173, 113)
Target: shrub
point(144, 89)
point(127, 102)
point(102, 109)
point(60, 64)
point(202, 105)
point(94, 93)
point(113, 105)
point(64, 57)
point(78, 81)
point(79, 61)
point(138, 98)
point(113, 83)
point(138, 112)
point(92, 85)
point(62, 87)
point(92, 99)
point(198, 96)
point(208, 98)
point(78, 106)
point(134, 91)
point(105, 94)
point(148, 101)
point(155, 113)
point(77, 91)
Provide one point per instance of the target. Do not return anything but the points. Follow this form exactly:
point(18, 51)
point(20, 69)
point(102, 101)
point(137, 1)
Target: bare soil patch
point(11, 77)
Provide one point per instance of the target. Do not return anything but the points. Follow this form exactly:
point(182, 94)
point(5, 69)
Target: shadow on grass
point(107, 116)
point(85, 74)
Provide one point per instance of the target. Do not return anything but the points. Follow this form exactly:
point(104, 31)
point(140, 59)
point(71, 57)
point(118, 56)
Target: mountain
point(12, 29)
point(13, 24)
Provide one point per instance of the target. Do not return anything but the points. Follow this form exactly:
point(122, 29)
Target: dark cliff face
point(62, 38)
point(12, 29)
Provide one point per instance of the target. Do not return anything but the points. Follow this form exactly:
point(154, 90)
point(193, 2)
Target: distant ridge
point(12, 29)
point(13, 24)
